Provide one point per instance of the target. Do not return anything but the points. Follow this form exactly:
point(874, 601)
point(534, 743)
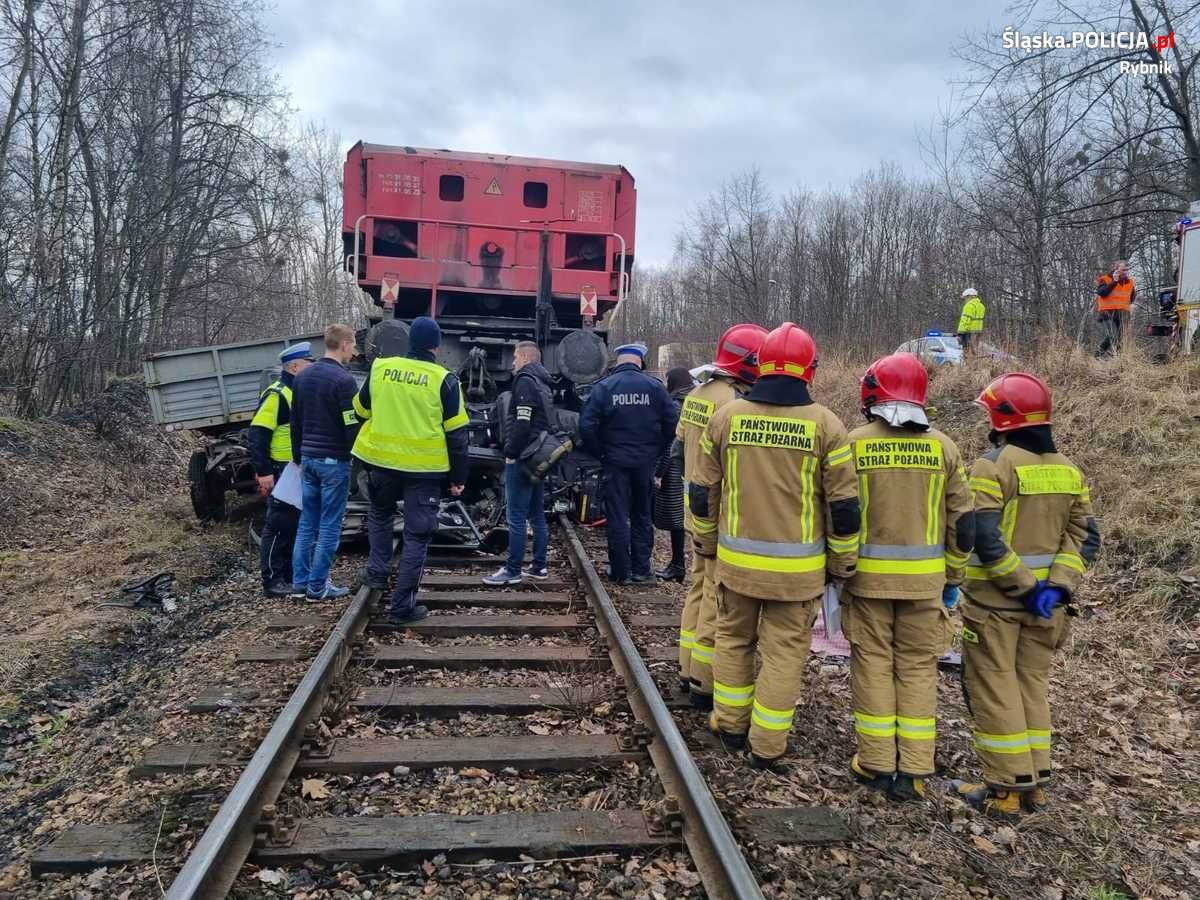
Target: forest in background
point(157, 190)
point(1047, 166)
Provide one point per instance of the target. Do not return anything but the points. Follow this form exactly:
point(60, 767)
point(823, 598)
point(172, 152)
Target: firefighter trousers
point(1006, 671)
point(705, 641)
point(691, 612)
point(894, 650)
point(781, 632)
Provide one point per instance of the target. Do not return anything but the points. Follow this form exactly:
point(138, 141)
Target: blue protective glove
point(950, 596)
point(1043, 598)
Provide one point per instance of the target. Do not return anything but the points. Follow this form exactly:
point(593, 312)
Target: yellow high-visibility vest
point(404, 428)
point(267, 417)
point(971, 319)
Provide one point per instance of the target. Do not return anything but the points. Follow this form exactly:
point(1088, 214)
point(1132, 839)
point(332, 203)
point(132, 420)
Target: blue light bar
point(933, 334)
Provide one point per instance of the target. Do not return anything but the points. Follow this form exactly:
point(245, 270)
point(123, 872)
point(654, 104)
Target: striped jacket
point(1034, 522)
point(785, 498)
point(917, 520)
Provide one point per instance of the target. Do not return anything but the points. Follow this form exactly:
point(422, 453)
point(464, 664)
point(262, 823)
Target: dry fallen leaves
point(314, 789)
point(985, 845)
point(270, 876)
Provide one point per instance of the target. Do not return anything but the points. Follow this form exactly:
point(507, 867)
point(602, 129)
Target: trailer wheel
point(207, 489)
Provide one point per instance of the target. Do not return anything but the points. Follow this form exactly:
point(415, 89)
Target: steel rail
point(214, 863)
point(719, 860)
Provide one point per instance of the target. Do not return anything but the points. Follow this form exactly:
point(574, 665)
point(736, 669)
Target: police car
point(935, 348)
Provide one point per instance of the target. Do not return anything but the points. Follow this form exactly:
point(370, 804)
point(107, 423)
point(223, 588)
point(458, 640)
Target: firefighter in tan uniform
point(918, 526)
point(736, 366)
point(1035, 535)
point(775, 472)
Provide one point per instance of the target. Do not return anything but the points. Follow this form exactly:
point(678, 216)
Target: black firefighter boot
point(876, 781)
point(907, 788)
point(985, 798)
point(674, 570)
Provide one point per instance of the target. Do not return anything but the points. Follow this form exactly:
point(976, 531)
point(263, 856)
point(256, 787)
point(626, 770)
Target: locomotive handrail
point(622, 280)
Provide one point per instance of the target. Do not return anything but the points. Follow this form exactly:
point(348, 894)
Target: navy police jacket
point(629, 418)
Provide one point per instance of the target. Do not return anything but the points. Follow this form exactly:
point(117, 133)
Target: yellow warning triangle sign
point(493, 188)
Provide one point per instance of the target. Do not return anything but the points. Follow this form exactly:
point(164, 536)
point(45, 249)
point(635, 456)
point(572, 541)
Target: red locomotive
point(434, 232)
point(498, 249)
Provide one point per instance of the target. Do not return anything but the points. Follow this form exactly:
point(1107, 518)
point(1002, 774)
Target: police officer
point(735, 370)
point(776, 473)
point(918, 525)
point(627, 421)
point(413, 438)
point(270, 440)
point(1034, 536)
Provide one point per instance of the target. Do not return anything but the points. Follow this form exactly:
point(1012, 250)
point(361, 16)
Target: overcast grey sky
point(683, 95)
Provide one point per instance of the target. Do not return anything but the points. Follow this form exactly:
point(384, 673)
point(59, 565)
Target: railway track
point(548, 682)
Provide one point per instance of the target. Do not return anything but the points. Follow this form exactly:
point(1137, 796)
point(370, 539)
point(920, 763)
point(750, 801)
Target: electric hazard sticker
point(493, 188)
point(897, 453)
point(773, 431)
point(696, 411)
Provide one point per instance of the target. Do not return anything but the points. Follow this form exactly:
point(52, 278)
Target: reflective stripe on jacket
point(913, 493)
point(971, 319)
point(274, 406)
point(698, 407)
point(1033, 522)
point(780, 470)
point(404, 428)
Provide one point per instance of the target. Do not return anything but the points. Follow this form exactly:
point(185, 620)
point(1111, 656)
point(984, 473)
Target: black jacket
point(526, 416)
point(324, 423)
point(671, 451)
point(628, 419)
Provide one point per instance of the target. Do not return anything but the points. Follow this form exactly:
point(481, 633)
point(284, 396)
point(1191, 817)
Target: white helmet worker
point(970, 292)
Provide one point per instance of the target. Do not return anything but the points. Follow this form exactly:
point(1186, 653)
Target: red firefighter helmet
point(1016, 400)
point(737, 351)
point(900, 376)
point(788, 350)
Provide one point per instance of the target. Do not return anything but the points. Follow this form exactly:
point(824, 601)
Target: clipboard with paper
point(287, 486)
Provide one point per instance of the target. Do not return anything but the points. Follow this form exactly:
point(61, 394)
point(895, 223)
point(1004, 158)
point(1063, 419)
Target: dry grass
point(1132, 426)
point(1124, 687)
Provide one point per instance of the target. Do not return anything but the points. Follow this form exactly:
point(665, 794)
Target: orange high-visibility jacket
point(1120, 297)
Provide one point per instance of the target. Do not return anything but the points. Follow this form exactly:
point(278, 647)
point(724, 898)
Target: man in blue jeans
point(527, 417)
point(324, 426)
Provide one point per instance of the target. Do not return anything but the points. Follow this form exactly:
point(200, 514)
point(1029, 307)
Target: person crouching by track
point(774, 468)
point(735, 370)
point(667, 514)
point(1035, 534)
point(918, 525)
point(270, 440)
point(528, 416)
point(626, 423)
point(414, 437)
